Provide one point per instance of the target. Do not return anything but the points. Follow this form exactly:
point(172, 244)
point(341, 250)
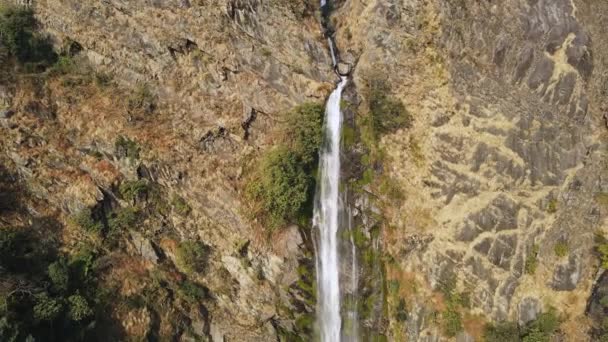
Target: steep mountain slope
point(503, 170)
point(483, 208)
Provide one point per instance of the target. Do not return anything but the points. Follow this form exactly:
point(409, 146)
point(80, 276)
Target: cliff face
point(504, 160)
point(506, 157)
point(197, 88)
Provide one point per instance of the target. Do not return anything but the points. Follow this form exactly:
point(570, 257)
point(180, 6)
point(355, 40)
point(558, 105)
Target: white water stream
point(327, 219)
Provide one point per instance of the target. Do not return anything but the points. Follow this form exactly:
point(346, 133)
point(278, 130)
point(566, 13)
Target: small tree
point(17, 33)
point(59, 273)
point(305, 131)
point(47, 308)
point(281, 188)
point(79, 308)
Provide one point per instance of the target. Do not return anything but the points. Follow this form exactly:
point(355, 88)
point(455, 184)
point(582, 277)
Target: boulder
point(528, 310)
point(567, 276)
point(144, 247)
point(6, 113)
point(343, 69)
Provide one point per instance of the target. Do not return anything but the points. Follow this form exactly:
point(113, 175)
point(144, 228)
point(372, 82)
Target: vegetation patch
point(126, 148)
point(282, 187)
point(192, 256)
point(561, 249)
point(532, 260)
point(602, 249)
point(542, 329)
point(18, 34)
point(180, 205)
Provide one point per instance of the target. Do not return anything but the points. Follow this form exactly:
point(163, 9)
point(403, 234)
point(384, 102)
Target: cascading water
point(325, 219)
point(330, 216)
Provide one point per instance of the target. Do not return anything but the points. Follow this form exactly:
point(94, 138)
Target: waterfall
point(331, 216)
point(325, 219)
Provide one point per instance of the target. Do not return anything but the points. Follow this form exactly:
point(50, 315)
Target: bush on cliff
point(18, 34)
point(386, 113)
point(192, 256)
point(282, 187)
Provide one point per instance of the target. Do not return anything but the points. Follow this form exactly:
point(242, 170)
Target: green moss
point(561, 249)
point(349, 136)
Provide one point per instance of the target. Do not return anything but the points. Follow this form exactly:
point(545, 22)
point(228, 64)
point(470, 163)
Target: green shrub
point(134, 190)
point(78, 308)
point(17, 33)
point(305, 132)
point(123, 219)
point(85, 220)
point(552, 206)
point(532, 260)
point(12, 244)
point(561, 249)
point(452, 321)
point(401, 313)
point(602, 249)
point(542, 328)
point(59, 273)
point(180, 205)
point(282, 187)
point(192, 256)
point(64, 65)
point(142, 99)
point(192, 292)
point(501, 332)
point(47, 308)
point(126, 148)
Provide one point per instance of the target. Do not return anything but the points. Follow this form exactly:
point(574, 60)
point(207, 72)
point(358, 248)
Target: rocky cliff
point(496, 187)
point(502, 171)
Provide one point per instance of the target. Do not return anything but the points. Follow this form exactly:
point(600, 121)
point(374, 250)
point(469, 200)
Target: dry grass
point(474, 325)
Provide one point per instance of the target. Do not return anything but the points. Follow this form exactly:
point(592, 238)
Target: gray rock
point(528, 310)
point(343, 69)
point(199, 327)
point(567, 276)
point(464, 337)
point(144, 247)
point(6, 113)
